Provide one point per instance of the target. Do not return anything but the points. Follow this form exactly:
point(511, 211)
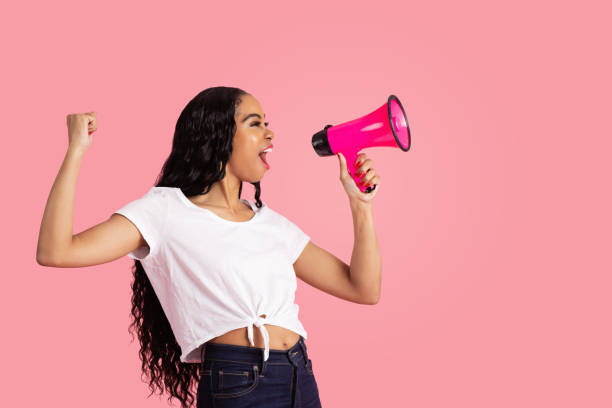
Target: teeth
point(269, 149)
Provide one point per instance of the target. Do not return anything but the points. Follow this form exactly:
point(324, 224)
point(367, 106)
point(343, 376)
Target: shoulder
point(273, 213)
point(160, 194)
point(153, 200)
point(282, 220)
point(161, 191)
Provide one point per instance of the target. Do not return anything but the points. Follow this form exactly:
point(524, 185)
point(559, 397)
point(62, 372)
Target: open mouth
point(262, 156)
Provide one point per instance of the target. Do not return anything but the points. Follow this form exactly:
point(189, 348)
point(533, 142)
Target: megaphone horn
point(385, 126)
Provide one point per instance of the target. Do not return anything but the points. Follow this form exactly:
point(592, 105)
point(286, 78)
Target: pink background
point(493, 227)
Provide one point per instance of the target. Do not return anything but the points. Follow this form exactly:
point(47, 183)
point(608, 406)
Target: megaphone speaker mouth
point(399, 122)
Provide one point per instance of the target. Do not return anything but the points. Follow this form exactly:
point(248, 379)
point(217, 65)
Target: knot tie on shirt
point(259, 322)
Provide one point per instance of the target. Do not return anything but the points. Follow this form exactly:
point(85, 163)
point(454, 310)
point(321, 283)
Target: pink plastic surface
point(373, 129)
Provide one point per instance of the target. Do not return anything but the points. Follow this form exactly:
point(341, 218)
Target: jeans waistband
point(252, 354)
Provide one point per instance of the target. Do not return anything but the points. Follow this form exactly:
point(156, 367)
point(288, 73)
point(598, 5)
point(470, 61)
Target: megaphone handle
point(351, 157)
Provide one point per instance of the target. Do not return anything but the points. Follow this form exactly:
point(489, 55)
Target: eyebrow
point(253, 114)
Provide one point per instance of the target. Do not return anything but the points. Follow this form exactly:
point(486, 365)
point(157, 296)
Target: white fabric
point(212, 275)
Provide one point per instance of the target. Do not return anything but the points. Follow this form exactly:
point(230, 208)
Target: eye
point(257, 123)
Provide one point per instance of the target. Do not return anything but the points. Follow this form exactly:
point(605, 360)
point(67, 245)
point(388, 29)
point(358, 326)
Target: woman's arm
point(55, 235)
point(104, 242)
point(366, 262)
point(359, 282)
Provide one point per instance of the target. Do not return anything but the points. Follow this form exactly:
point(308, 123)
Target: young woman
point(215, 274)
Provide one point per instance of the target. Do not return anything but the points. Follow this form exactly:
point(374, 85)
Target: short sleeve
point(296, 239)
point(148, 214)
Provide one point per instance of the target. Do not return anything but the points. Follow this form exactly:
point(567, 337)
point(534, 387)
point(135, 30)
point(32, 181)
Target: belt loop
point(304, 352)
point(263, 362)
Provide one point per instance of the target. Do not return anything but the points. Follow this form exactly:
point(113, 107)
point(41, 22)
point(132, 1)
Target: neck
point(224, 194)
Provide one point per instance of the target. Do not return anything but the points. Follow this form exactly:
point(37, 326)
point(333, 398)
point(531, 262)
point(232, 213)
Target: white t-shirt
point(212, 275)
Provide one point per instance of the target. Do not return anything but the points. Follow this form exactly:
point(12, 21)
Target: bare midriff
point(279, 337)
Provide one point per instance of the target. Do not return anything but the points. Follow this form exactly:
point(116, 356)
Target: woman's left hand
point(370, 178)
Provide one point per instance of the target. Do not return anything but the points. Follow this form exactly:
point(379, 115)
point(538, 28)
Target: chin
point(257, 179)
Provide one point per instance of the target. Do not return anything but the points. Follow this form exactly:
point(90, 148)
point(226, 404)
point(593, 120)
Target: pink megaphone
point(386, 126)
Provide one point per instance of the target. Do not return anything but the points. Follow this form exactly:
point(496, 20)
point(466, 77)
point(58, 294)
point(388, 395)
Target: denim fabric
point(236, 376)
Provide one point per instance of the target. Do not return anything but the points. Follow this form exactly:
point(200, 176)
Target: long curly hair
point(201, 147)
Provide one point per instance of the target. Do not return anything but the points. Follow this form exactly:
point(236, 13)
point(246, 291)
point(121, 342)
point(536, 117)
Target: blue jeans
point(236, 376)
